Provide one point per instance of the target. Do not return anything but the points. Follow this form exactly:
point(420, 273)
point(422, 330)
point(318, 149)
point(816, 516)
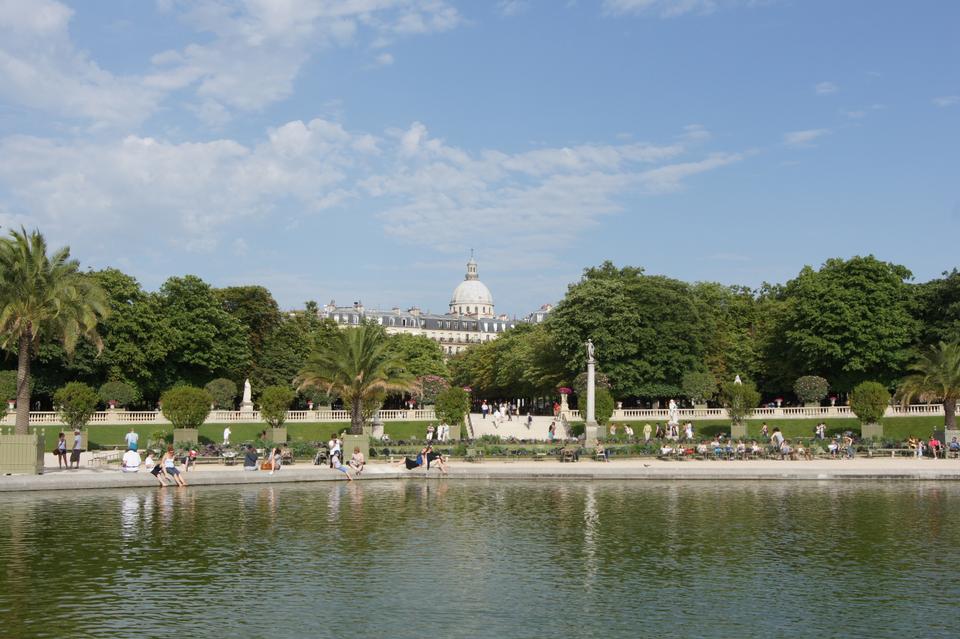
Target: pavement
point(625, 469)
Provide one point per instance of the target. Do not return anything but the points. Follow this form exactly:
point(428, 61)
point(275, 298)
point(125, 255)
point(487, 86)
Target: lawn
point(101, 435)
point(899, 428)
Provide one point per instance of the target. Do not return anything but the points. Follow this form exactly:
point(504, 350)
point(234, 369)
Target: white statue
point(737, 380)
point(246, 392)
point(590, 354)
point(673, 413)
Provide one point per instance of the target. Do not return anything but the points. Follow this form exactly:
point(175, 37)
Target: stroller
point(321, 457)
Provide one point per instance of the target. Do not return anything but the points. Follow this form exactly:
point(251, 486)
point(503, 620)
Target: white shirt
point(131, 461)
point(131, 438)
point(226, 434)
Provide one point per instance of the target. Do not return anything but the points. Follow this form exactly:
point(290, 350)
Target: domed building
point(472, 297)
point(470, 320)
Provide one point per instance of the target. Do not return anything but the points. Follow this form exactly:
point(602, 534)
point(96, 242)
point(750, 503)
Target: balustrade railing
point(791, 412)
point(118, 417)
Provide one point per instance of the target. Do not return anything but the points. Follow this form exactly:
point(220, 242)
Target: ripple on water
point(483, 559)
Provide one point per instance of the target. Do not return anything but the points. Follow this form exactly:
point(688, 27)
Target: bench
point(103, 457)
point(539, 456)
point(908, 452)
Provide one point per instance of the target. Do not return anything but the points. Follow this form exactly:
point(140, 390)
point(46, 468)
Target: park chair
point(474, 455)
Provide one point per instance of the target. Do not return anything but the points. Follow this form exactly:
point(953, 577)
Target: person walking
point(132, 438)
point(484, 409)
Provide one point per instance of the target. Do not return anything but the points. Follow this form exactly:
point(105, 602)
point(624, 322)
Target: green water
point(485, 559)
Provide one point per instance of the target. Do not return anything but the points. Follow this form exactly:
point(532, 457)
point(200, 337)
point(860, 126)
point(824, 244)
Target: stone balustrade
point(132, 418)
point(793, 412)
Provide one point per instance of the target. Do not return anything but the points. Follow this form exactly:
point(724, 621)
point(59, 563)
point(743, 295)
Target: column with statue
point(592, 429)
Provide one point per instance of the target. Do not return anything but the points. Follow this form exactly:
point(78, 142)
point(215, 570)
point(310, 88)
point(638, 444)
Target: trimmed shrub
point(739, 399)
point(76, 403)
point(699, 387)
point(603, 406)
point(452, 405)
point(186, 406)
point(274, 403)
point(811, 389)
point(869, 401)
point(120, 392)
point(223, 391)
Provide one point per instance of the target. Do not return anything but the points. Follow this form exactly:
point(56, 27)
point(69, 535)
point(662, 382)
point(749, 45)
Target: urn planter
point(871, 431)
point(186, 436)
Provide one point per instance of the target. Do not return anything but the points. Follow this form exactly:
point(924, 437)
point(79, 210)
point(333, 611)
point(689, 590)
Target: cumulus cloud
point(947, 100)
point(803, 138)
point(40, 68)
point(509, 8)
point(422, 189)
point(247, 55)
point(825, 88)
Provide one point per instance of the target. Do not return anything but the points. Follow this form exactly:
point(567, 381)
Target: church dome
point(472, 292)
point(472, 297)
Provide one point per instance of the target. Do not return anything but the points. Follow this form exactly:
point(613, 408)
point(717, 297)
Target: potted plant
point(739, 400)
point(274, 403)
point(115, 394)
point(187, 408)
point(869, 401)
point(811, 389)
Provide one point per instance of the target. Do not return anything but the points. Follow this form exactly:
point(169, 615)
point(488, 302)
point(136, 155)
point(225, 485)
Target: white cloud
point(947, 100)
point(803, 138)
point(509, 8)
point(41, 69)
point(825, 88)
point(194, 196)
point(248, 56)
point(384, 60)
point(662, 8)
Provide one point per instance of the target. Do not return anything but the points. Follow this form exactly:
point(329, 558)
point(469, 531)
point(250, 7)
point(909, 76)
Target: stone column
point(592, 428)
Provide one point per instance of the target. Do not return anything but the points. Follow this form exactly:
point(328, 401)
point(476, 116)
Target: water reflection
point(461, 559)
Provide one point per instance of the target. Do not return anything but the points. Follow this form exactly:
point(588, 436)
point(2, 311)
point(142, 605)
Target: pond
point(485, 559)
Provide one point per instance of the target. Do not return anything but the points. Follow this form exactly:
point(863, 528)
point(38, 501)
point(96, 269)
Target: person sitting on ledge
point(436, 458)
point(936, 448)
point(786, 450)
point(250, 458)
point(357, 462)
point(414, 463)
point(130, 462)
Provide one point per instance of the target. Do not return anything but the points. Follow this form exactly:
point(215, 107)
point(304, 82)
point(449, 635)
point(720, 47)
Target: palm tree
point(43, 297)
point(357, 365)
point(936, 376)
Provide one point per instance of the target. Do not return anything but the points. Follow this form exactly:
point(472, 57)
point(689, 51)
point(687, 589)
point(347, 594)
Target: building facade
point(471, 318)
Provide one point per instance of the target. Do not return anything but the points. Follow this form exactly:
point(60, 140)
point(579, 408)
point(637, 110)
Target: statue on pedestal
point(590, 352)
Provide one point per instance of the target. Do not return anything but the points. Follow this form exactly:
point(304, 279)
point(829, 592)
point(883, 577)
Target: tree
point(286, 349)
point(938, 309)
point(421, 355)
point(869, 401)
point(935, 375)
point(255, 308)
point(76, 403)
point(699, 386)
point(602, 406)
point(428, 387)
point(358, 365)
point(739, 399)
point(579, 385)
point(647, 329)
point(186, 406)
point(452, 406)
point(204, 340)
point(121, 393)
point(8, 390)
point(223, 391)
point(850, 321)
point(811, 389)
point(43, 297)
point(274, 403)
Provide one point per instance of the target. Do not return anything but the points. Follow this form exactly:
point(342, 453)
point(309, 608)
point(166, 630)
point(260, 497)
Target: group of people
point(934, 447)
point(425, 457)
point(60, 451)
point(164, 469)
point(500, 412)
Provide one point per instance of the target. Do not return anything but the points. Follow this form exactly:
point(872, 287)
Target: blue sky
point(358, 149)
